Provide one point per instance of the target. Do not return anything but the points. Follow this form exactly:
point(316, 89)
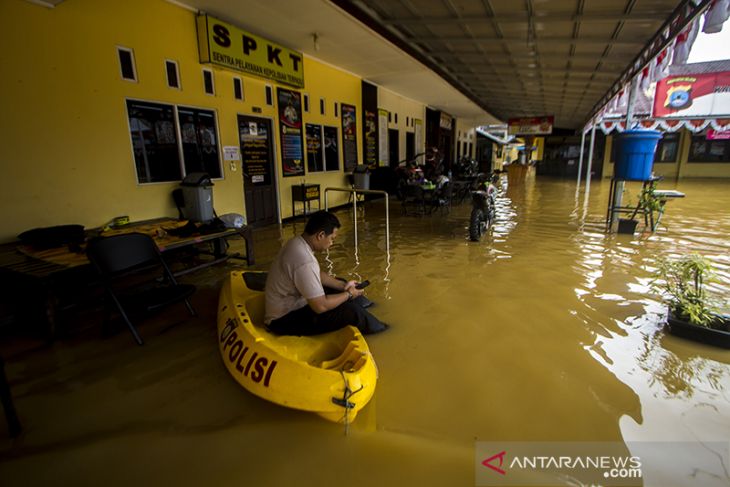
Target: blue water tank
point(635, 154)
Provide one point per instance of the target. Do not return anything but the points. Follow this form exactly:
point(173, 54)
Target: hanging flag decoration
point(683, 43)
point(716, 16)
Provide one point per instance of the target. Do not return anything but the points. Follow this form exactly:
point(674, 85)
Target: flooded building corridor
point(544, 331)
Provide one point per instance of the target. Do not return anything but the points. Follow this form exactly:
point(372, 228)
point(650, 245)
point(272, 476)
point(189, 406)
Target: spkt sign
point(228, 46)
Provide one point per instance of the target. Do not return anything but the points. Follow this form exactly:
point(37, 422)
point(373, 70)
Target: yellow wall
point(66, 152)
point(407, 110)
point(335, 86)
point(540, 144)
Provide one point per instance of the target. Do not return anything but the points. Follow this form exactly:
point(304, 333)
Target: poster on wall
point(314, 148)
point(349, 137)
point(383, 154)
point(331, 151)
point(371, 139)
point(255, 154)
point(290, 125)
point(418, 135)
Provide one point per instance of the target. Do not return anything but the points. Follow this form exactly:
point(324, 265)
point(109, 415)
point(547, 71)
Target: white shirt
point(293, 279)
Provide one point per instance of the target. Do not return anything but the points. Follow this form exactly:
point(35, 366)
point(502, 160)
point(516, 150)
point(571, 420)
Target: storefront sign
point(228, 46)
point(290, 126)
point(693, 95)
point(349, 136)
point(531, 125)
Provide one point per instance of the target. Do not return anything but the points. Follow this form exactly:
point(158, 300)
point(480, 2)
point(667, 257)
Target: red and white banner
point(713, 134)
point(531, 125)
point(693, 95)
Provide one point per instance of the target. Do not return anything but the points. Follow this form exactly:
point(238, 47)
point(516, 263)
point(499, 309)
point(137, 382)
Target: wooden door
point(259, 179)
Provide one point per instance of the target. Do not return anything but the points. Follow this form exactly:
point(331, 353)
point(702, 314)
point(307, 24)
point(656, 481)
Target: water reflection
point(546, 310)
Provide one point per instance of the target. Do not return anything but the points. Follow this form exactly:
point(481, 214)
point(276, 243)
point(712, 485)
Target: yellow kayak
point(332, 374)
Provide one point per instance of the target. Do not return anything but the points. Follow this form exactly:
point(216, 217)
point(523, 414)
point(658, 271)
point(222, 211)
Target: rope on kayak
point(345, 401)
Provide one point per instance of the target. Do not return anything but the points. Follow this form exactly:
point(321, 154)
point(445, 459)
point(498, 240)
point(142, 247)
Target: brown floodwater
point(545, 330)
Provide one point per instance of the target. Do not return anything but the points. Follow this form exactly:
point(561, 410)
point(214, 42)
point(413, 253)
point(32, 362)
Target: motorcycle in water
point(484, 205)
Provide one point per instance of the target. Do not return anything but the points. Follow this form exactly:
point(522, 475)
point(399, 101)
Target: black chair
point(11, 417)
point(135, 276)
point(413, 201)
point(441, 198)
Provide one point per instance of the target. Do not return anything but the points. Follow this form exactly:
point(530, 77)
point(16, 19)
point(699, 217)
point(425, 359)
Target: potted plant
point(693, 312)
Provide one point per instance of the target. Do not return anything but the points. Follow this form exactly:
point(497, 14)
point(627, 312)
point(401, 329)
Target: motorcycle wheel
point(475, 224)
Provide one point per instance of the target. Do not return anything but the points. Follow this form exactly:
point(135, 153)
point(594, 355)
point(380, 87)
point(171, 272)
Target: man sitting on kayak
point(296, 301)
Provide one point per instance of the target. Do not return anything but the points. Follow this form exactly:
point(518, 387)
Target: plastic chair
point(135, 276)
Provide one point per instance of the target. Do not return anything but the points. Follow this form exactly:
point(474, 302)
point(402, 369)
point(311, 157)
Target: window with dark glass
point(154, 129)
point(237, 88)
point(199, 141)
point(704, 150)
point(269, 96)
point(306, 103)
point(154, 142)
point(126, 64)
point(667, 148)
point(335, 109)
point(321, 106)
point(173, 80)
point(208, 81)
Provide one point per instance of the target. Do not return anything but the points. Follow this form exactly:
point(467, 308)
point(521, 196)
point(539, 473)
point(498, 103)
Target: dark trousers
point(304, 321)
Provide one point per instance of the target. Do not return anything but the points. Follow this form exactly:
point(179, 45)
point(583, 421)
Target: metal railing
point(354, 192)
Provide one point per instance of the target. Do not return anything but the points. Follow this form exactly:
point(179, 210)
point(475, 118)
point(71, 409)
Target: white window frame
point(134, 64)
point(178, 133)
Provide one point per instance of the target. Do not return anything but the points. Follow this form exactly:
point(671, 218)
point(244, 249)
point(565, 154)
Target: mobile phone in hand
point(362, 285)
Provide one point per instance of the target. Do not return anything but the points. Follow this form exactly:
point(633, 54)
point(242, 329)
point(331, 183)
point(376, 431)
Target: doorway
point(393, 149)
point(257, 163)
point(410, 146)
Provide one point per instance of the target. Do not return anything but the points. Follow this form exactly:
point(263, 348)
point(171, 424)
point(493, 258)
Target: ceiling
point(480, 60)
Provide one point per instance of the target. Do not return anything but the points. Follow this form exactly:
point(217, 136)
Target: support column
point(580, 160)
point(590, 156)
point(619, 185)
